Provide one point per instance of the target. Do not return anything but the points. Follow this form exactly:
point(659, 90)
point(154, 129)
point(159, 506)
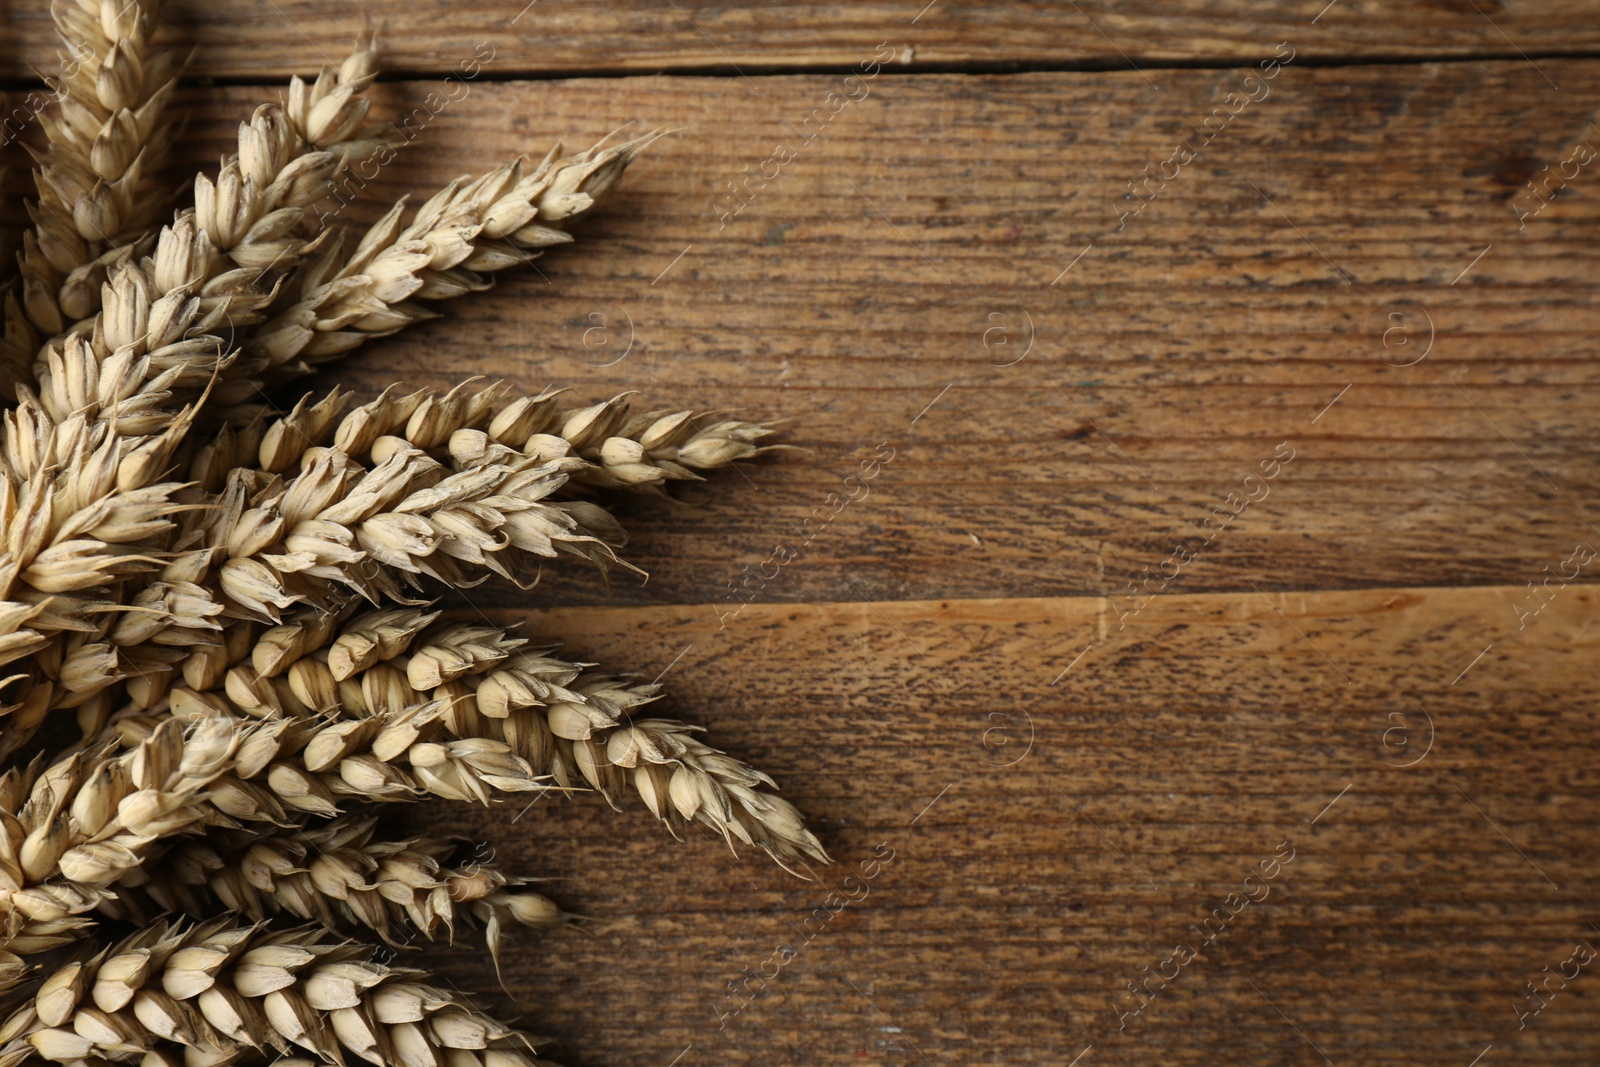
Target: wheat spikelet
point(74, 527)
point(337, 527)
point(682, 779)
point(221, 990)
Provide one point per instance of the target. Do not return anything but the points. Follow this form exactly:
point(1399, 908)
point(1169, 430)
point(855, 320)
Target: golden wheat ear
point(341, 875)
point(218, 265)
point(235, 604)
point(225, 989)
point(600, 448)
point(469, 229)
point(102, 138)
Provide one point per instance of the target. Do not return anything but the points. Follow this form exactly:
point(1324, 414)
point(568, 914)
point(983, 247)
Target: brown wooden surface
point(269, 38)
point(1166, 365)
point(946, 668)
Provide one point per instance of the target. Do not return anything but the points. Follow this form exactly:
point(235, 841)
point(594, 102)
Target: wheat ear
point(107, 136)
point(211, 267)
point(224, 990)
point(304, 766)
point(338, 527)
point(85, 822)
point(576, 727)
point(470, 228)
point(339, 874)
point(602, 447)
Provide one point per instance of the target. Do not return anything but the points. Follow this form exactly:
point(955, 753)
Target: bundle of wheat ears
point(233, 591)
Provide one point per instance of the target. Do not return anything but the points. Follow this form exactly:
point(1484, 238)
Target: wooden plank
point(1214, 332)
point(1168, 363)
point(1177, 738)
point(275, 38)
point(1031, 882)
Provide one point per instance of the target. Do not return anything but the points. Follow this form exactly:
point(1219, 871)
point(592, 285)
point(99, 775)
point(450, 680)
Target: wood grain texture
point(954, 667)
point(880, 674)
point(1166, 366)
point(1049, 840)
point(275, 38)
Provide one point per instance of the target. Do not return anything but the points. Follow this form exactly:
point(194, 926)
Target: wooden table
point(1218, 626)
